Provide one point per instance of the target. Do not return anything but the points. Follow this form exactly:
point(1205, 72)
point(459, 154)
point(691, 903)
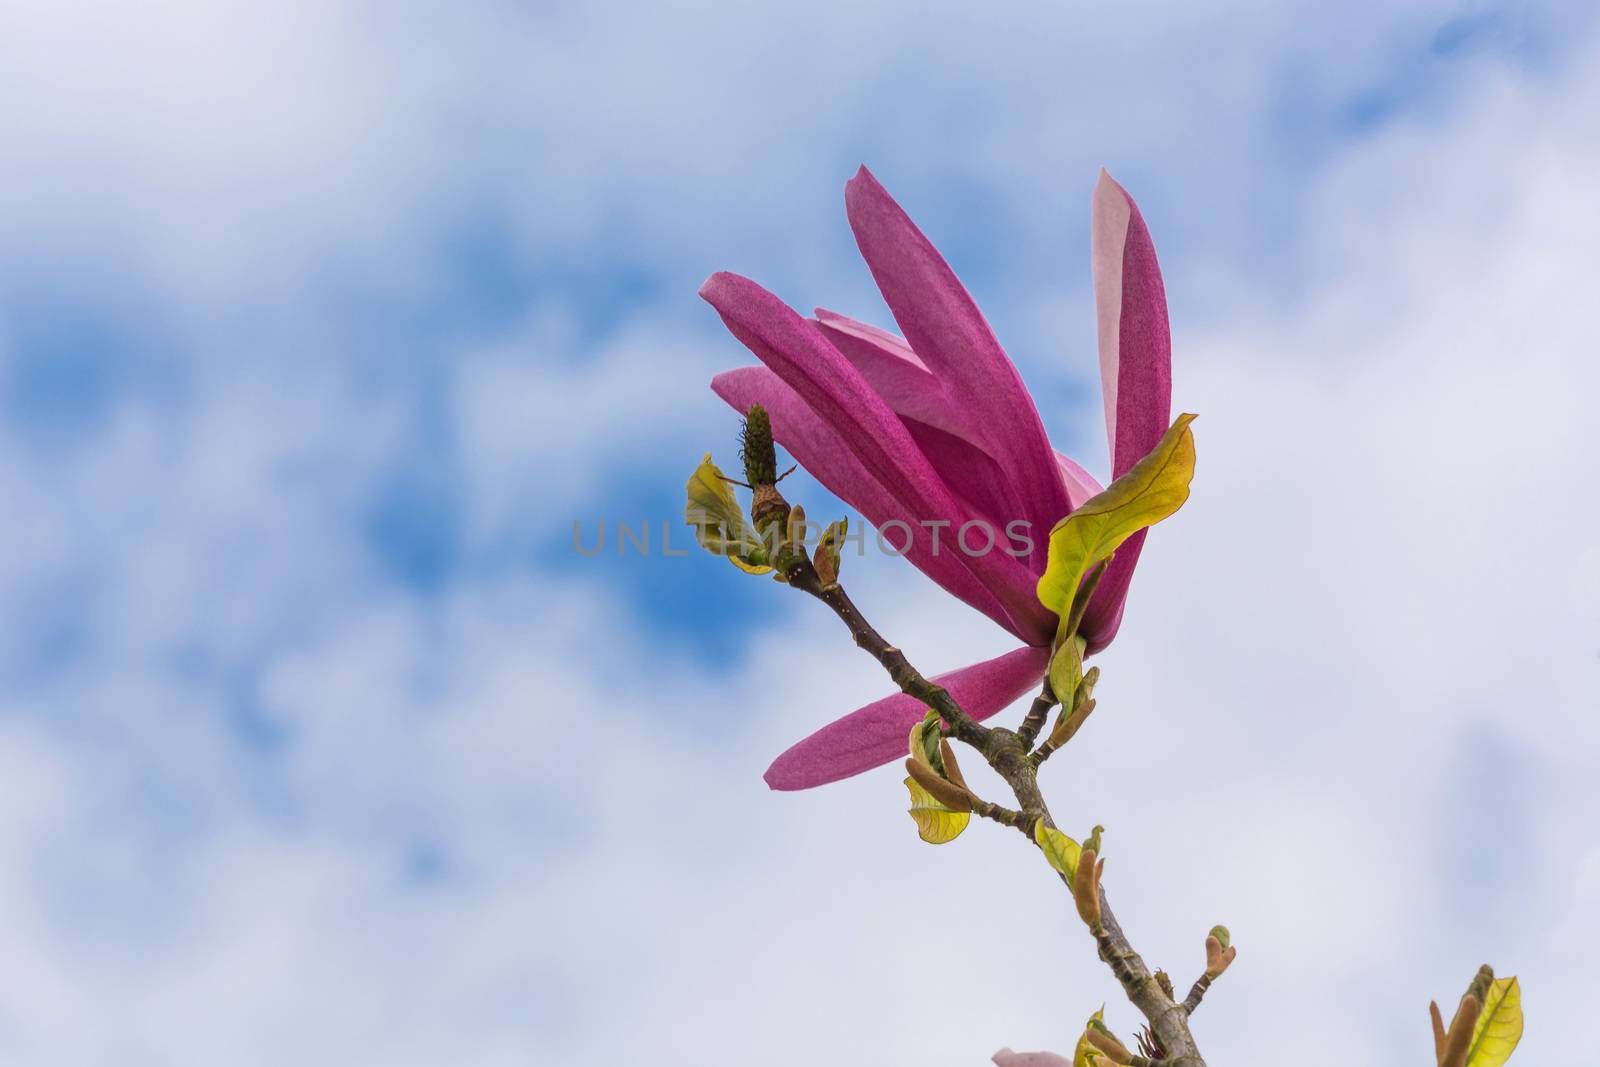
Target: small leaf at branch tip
point(718, 522)
point(1498, 1026)
point(1061, 851)
point(1066, 726)
point(1218, 959)
point(952, 769)
point(952, 796)
point(796, 534)
point(827, 555)
point(927, 743)
point(1459, 1036)
point(1480, 983)
point(936, 824)
point(1220, 932)
point(1104, 1040)
point(1085, 1054)
point(1093, 842)
point(1066, 671)
point(1086, 887)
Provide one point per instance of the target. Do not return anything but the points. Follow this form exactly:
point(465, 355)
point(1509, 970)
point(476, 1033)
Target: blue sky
point(321, 324)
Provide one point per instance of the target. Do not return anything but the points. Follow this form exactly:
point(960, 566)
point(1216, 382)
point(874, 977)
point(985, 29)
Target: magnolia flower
point(936, 430)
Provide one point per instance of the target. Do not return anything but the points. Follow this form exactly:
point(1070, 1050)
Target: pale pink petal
point(876, 734)
point(1135, 339)
point(1006, 1058)
point(1081, 485)
point(1135, 369)
point(944, 327)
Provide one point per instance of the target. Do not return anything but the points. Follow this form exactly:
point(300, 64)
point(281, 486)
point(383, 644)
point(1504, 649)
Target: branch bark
point(1008, 753)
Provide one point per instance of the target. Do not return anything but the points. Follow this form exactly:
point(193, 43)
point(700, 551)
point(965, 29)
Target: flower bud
point(757, 451)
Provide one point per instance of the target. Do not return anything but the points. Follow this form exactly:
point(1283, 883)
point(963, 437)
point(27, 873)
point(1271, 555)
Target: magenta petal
point(863, 424)
point(816, 448)
point(876, 734)
point(952, 445)
point(1135, 339)
point(891, 368)
point(948, 333)
point(1103, 617)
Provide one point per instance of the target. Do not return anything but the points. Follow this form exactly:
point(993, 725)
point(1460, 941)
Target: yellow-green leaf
point(1061, 850)
point(1066, 671)
point(1499, 1025)
point(826, 557)
point(1156, 487)
point(1086, 1055)
point(924, 743)
point(936, 824)
point(719, 524)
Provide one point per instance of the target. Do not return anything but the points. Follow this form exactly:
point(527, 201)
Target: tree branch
point(1008, 753)
point(1037, 714)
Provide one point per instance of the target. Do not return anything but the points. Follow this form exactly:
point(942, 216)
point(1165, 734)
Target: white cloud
point(511, 825)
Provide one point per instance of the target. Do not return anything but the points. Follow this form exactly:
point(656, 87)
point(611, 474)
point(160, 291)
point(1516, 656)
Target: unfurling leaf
point(1093, 840)
point(952, 769)
point(1067, 725)
point(925, 743)
point(936, 824)
point(1499, 1025)
point(1220, 932)
point(952, 796)
point(1086, 887)
point(826, 557)
point(1218, 959)
point(719, 525)
point(933, 764)
point(1153, 489)
point(1061, 850)
point(1086, 1055)
point(1101, 1037)
point(1066, 671)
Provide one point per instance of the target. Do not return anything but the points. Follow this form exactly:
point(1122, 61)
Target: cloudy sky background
point(321, 323)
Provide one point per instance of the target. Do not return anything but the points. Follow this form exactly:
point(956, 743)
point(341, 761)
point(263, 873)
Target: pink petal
point(940, 428)
point(1135, 340)
point(1135, 369)
point(1006, 1058)
point(863, 425)
point(948, 333)
point(819, 450)
point(876, 734)
point(1103, 617)
point(890, 367)
point(1081, 485)
point(976, 481)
